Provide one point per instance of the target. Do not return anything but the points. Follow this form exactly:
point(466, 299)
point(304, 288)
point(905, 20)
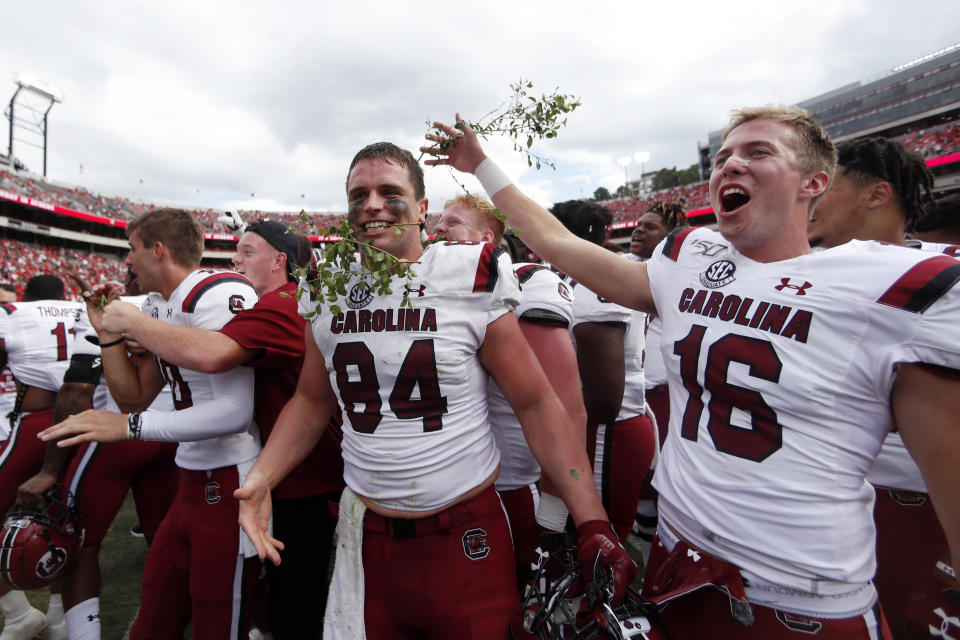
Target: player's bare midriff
point(413, 515)
point(37, 399)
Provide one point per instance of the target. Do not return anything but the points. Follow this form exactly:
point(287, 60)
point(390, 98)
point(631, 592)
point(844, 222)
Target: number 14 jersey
point(780, 377)
point(408, 377)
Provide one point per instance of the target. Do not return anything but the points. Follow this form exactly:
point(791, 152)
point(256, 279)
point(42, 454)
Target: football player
point(99, 475)
point(660, 219)
point(269, 339)
point(8, 387)
point(879, 190)
point(609, 339)
point(940, 221)
point(544, 316)
point(36, 339)
point(200, 569)
point(787, 369)
point(424, 546)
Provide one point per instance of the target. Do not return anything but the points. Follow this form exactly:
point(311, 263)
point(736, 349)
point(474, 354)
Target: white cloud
point(229, 99)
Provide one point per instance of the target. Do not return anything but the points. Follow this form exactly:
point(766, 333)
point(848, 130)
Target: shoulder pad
point(209, 282)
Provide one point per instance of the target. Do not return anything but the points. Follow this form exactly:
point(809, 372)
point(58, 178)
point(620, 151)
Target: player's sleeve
point(228, 412)
point(547, 300)
point(495, 287)
point(272, 330)
point(219, 300)
point(85, 365)
point(930, 293)
point(589, 307)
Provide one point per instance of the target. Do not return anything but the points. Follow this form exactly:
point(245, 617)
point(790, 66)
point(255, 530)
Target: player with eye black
point(424, 546)
point(787, 369)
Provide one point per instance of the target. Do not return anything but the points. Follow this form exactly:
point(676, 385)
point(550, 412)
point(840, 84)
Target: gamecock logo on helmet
point(37, 543)
point(51, 563)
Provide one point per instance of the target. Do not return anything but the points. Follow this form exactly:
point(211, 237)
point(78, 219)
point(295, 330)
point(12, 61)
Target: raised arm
point(195, 349)
point(926, 403)
point(621, 281)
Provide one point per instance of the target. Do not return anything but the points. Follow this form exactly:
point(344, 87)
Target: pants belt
point(442, 522)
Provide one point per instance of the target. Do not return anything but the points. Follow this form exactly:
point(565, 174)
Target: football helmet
point(556, 606)
point(37, 544)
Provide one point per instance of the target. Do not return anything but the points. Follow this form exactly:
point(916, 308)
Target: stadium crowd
point(20, 261)
point(488, 415)
point(928, 142)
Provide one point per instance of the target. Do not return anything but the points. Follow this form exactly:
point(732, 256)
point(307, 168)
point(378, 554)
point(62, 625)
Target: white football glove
point(233, 221)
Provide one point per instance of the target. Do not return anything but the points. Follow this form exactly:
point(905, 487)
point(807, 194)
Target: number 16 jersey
point(780, 378)
point(408, 376)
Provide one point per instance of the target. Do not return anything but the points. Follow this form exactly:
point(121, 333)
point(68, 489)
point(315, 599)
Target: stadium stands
point(931, 142)
point(20, 261)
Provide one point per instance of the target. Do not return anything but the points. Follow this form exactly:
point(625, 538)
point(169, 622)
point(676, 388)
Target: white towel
point(344, 615)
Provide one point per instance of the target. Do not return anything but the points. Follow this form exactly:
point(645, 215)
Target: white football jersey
point(545, 299)
point(208, 300)
point(654, 369)
point(780, 377)
point(413, 392)
point(589, 307)
point(947, 249)
point(39, 340)
point(894, 468)
point(86, 342)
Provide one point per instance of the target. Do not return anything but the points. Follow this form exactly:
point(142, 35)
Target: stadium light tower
point(624, 161)
point(641, 158)
point(37, 101)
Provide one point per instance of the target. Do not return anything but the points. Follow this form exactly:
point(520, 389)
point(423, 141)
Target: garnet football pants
point(521, 505)
point(195, 573)
point(621, 454)
point(450, 575)
point(100, 475)
point(910, 542)
point(705, 613)
point(22, 454)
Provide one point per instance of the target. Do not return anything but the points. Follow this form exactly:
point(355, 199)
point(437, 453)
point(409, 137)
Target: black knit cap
point(284, 241)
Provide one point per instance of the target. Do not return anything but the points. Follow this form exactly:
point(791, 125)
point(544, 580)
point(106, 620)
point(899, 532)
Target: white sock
point(14, 605)
point(644, 527)
point(83, 620)
point(55, 609)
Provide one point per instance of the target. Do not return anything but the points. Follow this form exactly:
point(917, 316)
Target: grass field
point(121, 561)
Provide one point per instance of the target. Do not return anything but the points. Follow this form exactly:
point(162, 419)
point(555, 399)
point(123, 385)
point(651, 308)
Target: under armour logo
point(92, 617)
point(945, 624)
point(419, 290)
point(801, 289)
point(542, 557)
point(693, 554)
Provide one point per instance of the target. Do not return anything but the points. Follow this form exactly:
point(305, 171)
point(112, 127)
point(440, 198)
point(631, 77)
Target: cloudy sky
point(262, 105)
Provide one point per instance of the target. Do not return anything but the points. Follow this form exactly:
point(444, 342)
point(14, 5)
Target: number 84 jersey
point(780, 377)
point(408, 378)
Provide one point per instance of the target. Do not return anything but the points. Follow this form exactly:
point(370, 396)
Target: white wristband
point(552, 513)
point(491, 178)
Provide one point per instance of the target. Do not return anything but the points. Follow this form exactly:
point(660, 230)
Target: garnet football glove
point(599, 551)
